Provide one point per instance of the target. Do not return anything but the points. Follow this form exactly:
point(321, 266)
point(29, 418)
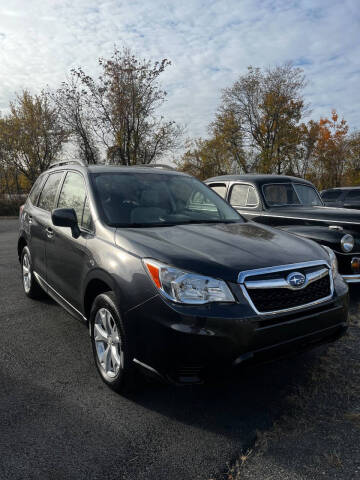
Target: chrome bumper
point(352, 278)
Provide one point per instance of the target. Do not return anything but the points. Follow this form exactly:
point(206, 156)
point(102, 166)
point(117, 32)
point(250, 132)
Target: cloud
point(209, 42)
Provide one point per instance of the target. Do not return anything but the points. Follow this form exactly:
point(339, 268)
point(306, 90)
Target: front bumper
point(345, 270)
point(352, 278)
point(187, 344)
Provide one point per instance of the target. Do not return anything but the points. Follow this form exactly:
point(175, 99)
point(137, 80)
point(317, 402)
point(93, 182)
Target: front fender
point(323, 235)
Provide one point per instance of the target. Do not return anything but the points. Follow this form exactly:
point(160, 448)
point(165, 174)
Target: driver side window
point(73, 195)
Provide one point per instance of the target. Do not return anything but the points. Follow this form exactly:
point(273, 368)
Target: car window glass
point(278, 194)
point(86, 221)
point(331, 195)
point(307, 195)
point(159, 199)
point(238, 195)
point(252, 199)
point(201, 202)
point(73, 194)
point(353, 195)
point(48, 194)
point(34, 194)
point(219, 188)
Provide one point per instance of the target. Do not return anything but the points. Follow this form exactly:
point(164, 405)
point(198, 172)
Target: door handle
point(49, 232)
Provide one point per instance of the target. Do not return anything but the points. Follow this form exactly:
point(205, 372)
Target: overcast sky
point(210, 43)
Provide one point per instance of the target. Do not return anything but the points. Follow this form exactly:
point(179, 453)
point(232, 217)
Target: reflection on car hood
point(220, 250)
point(330, 214)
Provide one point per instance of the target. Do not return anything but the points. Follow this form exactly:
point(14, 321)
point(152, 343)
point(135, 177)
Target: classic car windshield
point(281, 194)
point(158, 199)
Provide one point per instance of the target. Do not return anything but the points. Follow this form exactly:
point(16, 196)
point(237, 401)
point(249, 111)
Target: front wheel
point(111, 348)
point(31, 287)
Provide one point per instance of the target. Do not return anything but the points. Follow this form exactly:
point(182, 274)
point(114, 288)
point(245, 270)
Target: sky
point(210, 44)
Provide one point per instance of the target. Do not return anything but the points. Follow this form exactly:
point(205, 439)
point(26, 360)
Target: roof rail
point(68, 162)
point(155, 165)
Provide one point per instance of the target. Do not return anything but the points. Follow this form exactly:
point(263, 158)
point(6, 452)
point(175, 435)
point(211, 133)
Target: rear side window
point(239, 195)
point(36, 189)
point(243, 196)
point(331, 195)
point(48, 194)
point(252, 199)
point(73, 194)
point(219, 188)
point(353, 195)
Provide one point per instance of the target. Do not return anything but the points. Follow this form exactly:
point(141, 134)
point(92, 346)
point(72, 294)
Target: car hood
point(332, 215)
point(220, 250)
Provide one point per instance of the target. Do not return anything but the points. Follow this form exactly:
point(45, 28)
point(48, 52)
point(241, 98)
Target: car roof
point(259, 179)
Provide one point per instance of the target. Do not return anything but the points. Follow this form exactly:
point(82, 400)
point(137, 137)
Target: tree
point(257, 127)
point(226, 131)
point(352, 171)
point(123, 104)
point(220, 154)
point(73, 105)
point(331, 153)
point(32, 134)
point(301, 162)
point(205, 158)
point(269, 106)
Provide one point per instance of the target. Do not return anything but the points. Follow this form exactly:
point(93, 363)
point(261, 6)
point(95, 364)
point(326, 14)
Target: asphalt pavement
point(59, 421)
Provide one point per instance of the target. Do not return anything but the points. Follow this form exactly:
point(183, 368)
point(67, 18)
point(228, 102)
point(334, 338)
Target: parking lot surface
point(58, 420)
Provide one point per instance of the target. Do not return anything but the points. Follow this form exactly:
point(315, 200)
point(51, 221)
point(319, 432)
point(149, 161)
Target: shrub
point(10, 206)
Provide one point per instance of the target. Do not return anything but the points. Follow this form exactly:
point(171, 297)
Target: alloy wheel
point(26, 271)
point(107, 343)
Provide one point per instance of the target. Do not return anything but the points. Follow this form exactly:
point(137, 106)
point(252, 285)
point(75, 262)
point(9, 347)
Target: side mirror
point(66, 217)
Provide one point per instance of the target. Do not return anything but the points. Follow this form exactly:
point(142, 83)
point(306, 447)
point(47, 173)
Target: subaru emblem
point(296, 280)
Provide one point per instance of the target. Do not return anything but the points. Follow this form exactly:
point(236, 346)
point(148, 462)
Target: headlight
point(347, 243)
point(333, 260)
point(185, 287)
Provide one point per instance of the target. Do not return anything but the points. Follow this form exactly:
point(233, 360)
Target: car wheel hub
point(107, 343)
point(26, 273)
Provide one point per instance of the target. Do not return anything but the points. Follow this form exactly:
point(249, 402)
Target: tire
point(111, 347)
point(31, 286)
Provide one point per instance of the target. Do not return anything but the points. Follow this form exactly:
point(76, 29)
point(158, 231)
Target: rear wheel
point(111, 348)
point(31, 287)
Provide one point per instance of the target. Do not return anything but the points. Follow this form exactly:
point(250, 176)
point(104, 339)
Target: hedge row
point(10, 207)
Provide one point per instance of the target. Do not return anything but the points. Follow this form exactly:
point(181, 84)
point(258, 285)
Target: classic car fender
point(329, 236)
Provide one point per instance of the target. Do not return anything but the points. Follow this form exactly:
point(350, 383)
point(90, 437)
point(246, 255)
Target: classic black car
point(294, 205)
point(346, 197)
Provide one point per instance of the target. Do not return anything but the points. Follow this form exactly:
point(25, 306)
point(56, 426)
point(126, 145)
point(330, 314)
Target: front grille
point(272, 299)
point(275, 289)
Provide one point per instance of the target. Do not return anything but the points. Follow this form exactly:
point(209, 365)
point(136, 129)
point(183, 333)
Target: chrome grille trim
point(282, 283)
point(275, 283)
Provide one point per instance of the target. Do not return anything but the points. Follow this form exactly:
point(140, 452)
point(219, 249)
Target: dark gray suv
point(171, 279)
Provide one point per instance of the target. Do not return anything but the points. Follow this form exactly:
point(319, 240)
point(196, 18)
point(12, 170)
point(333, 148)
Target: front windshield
point(282, 194)
point(158, 199)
